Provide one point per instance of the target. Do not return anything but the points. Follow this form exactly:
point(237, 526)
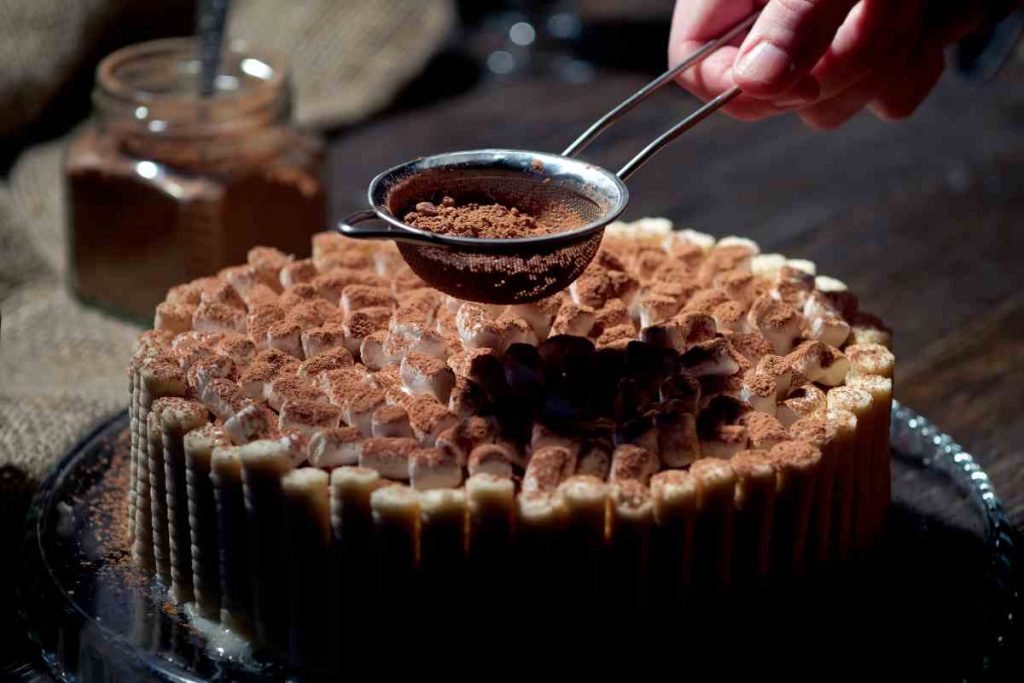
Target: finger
point(787, 40)
point(835, 111)
point(872, 33)
point(905, 94)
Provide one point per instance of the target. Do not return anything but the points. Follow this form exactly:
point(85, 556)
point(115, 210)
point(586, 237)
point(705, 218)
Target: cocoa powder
point(494, 221)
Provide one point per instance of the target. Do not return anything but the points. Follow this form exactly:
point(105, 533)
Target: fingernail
point(766, 63)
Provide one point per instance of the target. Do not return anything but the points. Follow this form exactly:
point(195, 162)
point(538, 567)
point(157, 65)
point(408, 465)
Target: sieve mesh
point(504, 271)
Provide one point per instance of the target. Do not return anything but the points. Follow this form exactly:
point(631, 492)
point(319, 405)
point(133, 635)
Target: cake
point(690, 417)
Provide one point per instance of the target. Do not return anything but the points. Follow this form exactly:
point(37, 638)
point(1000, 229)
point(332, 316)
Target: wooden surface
point(922, 219)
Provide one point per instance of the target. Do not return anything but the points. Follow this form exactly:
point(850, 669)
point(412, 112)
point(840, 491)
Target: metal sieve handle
point(696, 57)
point(389, 231)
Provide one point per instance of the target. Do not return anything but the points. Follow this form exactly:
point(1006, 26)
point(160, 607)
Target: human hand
point(824, 59)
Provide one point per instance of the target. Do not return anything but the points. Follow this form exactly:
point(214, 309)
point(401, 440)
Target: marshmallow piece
point(751, 346)
point(547, 468)
point(314, 313)
point(265, 368)
point(632, 463)
point(361, 324)
point(218, 317)
point(190, 347)
point(431, 468)
point(341, 383)
point(287, 387)
point(573, 319)
point(429, 418)
point(804, 266)
point(724, 441)
point(335, 447)
point(743, 242)
point(491, 459)
point(870, 359)
point(243, 279)
point(209, 368)
point(705, 301)
point(359, 405)
point(417, 306)
point(595, 460)
point(698, 239)
point(655, 230)
point(722, 258)
point(223, 398)
point(286, 336)
point(260, 318)
point(390, 420)
point(617, 337)
point(333, 359)
point(803, 401)
point(297, 272)
point(715, 358)
point(778, 323)
point(477, 329)
point(239, 348)
point(655, 308)
point(467, 398)
point(764, 431)
point(599, 284)
point(372, 351)
point(760, 391)
point(268, 262)
point(358, 297)
point(819, 363)
point(539, 314)
point(417, 337)
point(868, 329)
point(825, 323)
point(740, 286)
point(514, 330)
point(389, 456)
point(252, 423)
point(678, 443)
point(308, 416)
point(174, 317)
point(731, 318)
point(681, 332)
point(423, 374)
point(767, 266)
point(543, 437)
point(220, 292)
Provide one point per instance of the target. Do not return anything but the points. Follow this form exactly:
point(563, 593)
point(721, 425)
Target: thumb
point(787, 41)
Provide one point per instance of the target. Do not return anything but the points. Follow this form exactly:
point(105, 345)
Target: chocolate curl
point(797, 464)
point(176, 420)
point(264, 463)
point(844, 447)
point(630, 521)
point(351, 557)
point(443, 544)
point(491, 505)
point(672, 543)
point(202, 518)
point(880, 389)
point(396, 514)
point(714, 528)
point(307, 537)
point(236, 582)
point(585, 501)
point(858, 402)
point(755, 517)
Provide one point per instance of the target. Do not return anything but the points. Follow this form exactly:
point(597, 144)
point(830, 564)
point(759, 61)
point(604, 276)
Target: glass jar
point(165, 186)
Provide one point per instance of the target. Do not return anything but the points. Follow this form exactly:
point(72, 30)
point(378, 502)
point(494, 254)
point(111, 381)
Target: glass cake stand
point(936, 600)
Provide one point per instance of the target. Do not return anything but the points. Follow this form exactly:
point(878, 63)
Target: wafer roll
point(822, 434)
point(675, 512)
point(232, 540)
point(443, 544)
point(858, 402)
point(202, 518)
point(755, 517)
point(179, 418)
point(264, 463)
point(630, 520)
point(158, 376)
point(880, 389)
point(307, 537)
point(797, 464)
point(585, 501)
point(713, 530)
point(133, 434)
point(844, 446)
point(161, 546)
point(540, 522)
point(490, 501)
point(396, 517)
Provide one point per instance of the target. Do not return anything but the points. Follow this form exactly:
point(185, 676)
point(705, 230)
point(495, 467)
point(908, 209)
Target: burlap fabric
point(62, 365)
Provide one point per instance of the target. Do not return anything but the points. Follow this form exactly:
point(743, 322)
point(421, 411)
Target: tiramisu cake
point(314, 439)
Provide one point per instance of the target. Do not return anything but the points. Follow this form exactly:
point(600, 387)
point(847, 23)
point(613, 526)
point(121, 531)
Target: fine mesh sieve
point(554, 189)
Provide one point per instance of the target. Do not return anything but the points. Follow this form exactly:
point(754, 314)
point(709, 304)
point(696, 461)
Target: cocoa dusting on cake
point(492, 221)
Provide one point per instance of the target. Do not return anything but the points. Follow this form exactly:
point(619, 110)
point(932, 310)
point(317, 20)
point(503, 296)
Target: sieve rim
point(505, 159)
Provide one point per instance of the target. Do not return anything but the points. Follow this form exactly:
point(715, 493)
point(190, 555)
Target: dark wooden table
point(922, 219)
